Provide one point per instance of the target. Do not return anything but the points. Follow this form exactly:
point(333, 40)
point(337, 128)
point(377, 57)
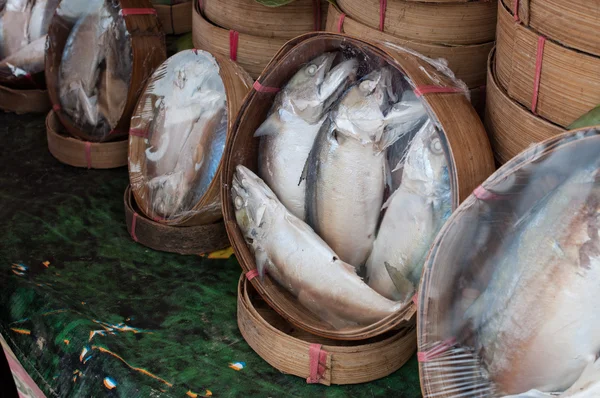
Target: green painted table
point(85, 308)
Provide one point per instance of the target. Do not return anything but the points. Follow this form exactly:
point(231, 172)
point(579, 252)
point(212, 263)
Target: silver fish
point(299, 260)
point(29, 59)
point(41, 15)
point(415, 213)
point(288, 133)
point(14, 23)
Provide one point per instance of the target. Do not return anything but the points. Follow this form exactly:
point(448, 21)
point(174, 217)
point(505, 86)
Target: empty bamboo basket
point(447, 23)
point(469, 157)
point(466, 61)
point(252, 18)
point(557, 83)
point(175, 18)
point(24, 101)
point(291, 350)
point(78, 153)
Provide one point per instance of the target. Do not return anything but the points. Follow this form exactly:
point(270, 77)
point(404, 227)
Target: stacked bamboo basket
point(250, 33)
point(175, 15)
point(545, 72)
point(461, 32)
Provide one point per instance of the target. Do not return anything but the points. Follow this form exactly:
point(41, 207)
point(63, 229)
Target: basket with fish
point(316, 359)
point(76, 152)
point(448, 23)
point(541, 74)
point(508, 304)
point(178, 134)
point(99, 55)
point(466, 61)
point(192, 240)
point(511, 127)
point(335, 129)
point(252, 18)
point(175, 15)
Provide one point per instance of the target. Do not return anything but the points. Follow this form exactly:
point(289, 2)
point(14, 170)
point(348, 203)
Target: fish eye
point(435, 146)
point(311, 70)
point(239, 202)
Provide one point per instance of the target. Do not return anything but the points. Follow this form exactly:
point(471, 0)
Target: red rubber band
point(251, 274)
point(138, 11)
point(538, 73)
point(422, 90)
point(317, 359)
point(88, 154)
point(341, 22)
point(415, 299)
point(436, 351)
point(138, 133)
point(133, 223)
point(516, 8)
point(233, 44)
point(317, 14)
point(382, 9)
point(56, 107)
point(264, 89)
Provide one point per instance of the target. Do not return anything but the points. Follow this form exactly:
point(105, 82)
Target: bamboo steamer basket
point(78, 153)
point(252, 18)
point(175, 19)
point(252, 53)
point(208, 209)
point(573, 23)
point(148, 51)
point(470, 160)
point(24, 101)
point(467, 62)
point(441, 272)
point(569, 81)
point(446, 23)
point(288, 349)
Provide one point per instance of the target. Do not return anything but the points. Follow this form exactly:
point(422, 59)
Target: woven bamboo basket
point(148, 50)
point(175, 19)
point(78, 153)
point(450, 261)
point(24, 101)
point(470, 159)
point(198, 239)
point(290, 350)
point(569, 81)
point(441, 23)
point(467, 62)
point(252, 18)
point(573, 23)
point(207, 210)
point(252, 53)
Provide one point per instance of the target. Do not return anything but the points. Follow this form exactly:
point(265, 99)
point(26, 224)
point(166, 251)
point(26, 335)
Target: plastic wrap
point(508, 304)
point(357, 183)
point(96, 65)
point(182, 117)
point(23, 32)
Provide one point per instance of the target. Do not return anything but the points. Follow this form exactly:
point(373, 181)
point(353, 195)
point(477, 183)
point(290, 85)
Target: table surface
point(81, 302)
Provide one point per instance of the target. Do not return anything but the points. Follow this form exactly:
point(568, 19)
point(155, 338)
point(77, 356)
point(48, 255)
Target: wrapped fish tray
point(175, 18)
point(136, 48)
point(24, 101)
point(555, 82)
point(502, 305)
point(252, 18)
point(466, 61)
point(194, 240)
point(447, 23)
point(75, 152)
point(317, 359)
point(511, 126)
point(470, 158)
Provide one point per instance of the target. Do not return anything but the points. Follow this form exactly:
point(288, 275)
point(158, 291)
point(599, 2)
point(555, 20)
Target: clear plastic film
point(509, 299)
point(96, 65)
point(182, 120)
point(23, 32)
point(351, 188)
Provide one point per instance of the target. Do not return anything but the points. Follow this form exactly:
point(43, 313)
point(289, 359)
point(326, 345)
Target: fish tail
point(403, 285)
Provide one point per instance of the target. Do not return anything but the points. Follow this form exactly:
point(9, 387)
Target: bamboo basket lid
point(506, 197)
point(290, 350)
point(511, 127)
point(207, 209)
point(148, 50)
point(24, 101)
point(252, 18)
point(78, 153)
point(175, 19)
point(252, 53)
point(467, 62)
point(568, 80)
point(446, 23)
point(573, 23)
point(470, 158)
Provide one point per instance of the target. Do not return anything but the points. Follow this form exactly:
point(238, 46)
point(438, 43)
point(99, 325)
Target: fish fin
point(271, 126)
point(389, 200)
point(262, 261)
point(403, 285)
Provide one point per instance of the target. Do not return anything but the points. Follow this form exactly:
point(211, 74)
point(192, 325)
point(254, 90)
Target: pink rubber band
point(317, 359)
point(88, 154)
point(317, 14)
point(382, 9)
point(483, 194)
point(252, 274)
point(56, 107)
point(138, 11)
point(133, 223)
point(415, 299)
point(341, 22)
point(200, 5)
point(436, 351)
point(264, 89)
point(233, 44)
point(422, 90)
point(516, 8)
point(538, 73)
point(138, 133)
